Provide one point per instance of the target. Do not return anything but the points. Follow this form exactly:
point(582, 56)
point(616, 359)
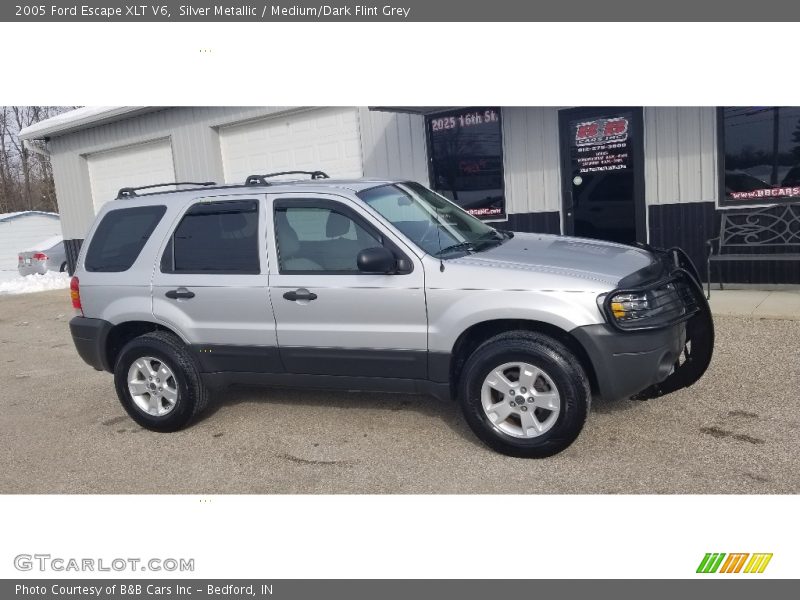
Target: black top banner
point(399, 11)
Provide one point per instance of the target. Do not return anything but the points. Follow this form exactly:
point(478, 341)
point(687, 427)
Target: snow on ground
point(12, 282)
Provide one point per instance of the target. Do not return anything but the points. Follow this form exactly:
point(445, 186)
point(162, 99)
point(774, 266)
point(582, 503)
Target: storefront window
point(466, 150)
point(761, 155)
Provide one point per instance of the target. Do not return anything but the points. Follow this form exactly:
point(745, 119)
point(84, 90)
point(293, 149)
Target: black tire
point(553, 358)
point(192, 393)
point(63, 267)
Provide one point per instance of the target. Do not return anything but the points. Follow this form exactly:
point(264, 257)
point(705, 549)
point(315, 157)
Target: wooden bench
point(762, 234)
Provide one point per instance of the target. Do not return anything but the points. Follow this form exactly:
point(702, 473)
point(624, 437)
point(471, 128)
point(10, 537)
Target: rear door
point(211, 284)
point(333, 319)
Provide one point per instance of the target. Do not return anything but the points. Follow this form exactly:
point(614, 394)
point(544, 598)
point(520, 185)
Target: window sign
point(761, 155)
point(601, 145)
point(466, 151)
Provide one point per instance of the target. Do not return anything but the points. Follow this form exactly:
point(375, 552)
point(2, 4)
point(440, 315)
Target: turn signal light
point(618, 309)
point(75, 294)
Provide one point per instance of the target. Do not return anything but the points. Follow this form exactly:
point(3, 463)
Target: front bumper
point(628, 363)
point(658, 358)
point(89, 337)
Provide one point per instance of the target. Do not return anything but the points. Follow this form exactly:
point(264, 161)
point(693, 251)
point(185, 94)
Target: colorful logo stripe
point(713, 562)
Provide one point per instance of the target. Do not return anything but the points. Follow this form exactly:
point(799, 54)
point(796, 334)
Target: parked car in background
point(48, 255)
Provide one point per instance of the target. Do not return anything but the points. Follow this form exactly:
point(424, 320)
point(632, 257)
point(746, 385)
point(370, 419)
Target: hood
point(587, 259)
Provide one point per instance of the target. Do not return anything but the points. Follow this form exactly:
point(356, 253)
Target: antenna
point(439, 239)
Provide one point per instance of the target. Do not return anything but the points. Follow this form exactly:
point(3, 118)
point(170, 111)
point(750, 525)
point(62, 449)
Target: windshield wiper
point(473, 244)
point(456, 247)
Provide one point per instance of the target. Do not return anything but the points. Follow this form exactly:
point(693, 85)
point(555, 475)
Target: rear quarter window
point(120, 237)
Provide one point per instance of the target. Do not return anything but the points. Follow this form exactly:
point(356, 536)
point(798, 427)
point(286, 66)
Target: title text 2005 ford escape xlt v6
point(378, 286)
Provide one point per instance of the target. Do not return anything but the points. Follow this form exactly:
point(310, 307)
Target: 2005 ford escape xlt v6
point(377, 286)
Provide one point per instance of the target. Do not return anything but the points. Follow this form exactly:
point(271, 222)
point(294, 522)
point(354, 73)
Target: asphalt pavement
point(62, 430)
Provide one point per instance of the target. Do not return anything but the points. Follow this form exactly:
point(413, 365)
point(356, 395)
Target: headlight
point(630, 306)
point(654, 307)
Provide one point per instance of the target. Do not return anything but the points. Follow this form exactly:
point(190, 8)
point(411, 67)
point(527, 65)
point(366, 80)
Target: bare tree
point(26, 177)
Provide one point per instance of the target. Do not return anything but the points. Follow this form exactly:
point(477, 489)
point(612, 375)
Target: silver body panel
point(227, 309)
point(550, 279)
point(356, 311)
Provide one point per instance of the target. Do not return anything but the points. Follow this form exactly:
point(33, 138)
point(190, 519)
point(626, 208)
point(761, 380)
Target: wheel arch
point(472, 337)
point(122, 333)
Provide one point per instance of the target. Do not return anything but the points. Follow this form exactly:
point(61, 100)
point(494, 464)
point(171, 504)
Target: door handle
point(180, 293)
point(300, 295)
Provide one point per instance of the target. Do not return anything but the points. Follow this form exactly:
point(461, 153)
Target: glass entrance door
point(601, 156)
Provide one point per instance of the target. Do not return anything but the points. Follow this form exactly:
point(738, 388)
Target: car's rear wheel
point(158, 382)
point(524, 394)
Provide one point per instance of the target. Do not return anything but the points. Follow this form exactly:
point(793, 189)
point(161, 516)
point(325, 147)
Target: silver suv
point(377, 286)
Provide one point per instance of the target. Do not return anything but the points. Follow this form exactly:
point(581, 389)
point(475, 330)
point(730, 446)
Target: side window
point(319, 239)
point(120, 237)
point(215, 238)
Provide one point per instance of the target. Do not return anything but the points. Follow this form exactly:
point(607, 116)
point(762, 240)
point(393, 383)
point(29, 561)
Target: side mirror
point(376, 260)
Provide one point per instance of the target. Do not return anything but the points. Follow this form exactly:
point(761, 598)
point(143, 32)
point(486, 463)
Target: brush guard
point(699, 346)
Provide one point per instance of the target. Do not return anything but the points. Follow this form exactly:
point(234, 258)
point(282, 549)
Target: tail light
point(75, 294)
point(20, 259)
point(40, 256)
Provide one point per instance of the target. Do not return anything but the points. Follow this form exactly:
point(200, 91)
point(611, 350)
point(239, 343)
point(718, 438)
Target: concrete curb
point(757, 304)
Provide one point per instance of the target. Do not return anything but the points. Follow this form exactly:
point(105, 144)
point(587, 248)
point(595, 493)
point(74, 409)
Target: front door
point(602, 171)
point(333, 319)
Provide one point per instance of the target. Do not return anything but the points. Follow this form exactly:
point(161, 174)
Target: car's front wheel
point(524, 394)
point(158, 382)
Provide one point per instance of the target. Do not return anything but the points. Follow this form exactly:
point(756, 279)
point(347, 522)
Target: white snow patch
point(33, 283)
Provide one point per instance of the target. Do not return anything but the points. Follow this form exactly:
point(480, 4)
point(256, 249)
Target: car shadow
point(448, 412)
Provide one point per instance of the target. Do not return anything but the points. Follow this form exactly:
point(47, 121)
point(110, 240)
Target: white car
point(45, 256)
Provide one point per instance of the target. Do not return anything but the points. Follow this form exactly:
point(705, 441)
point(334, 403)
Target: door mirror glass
point(376, 260)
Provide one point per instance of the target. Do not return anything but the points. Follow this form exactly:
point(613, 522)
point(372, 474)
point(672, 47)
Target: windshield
point(432, 222)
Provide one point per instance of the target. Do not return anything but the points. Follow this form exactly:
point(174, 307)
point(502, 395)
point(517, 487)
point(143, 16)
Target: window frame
point(722, 202)
point(154, 207)
point(169, 245)
point(283, 203)
point(503, 218)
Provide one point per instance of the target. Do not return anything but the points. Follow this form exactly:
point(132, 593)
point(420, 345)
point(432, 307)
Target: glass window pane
point(466, 149)
point(220, 237)
point(120, 237)
point(319, 239)
point(762, 154)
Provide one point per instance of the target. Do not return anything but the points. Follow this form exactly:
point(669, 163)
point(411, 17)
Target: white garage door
point(325, 139)
point(143, 164)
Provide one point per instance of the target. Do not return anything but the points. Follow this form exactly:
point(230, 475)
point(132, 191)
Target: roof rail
point(262, 179)
point(129, 192)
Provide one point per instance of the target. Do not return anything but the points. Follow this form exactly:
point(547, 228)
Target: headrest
point(337, 225)
point(288, 242)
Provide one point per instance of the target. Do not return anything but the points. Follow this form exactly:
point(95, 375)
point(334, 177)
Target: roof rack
point(262, 179)
point(129, 192)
